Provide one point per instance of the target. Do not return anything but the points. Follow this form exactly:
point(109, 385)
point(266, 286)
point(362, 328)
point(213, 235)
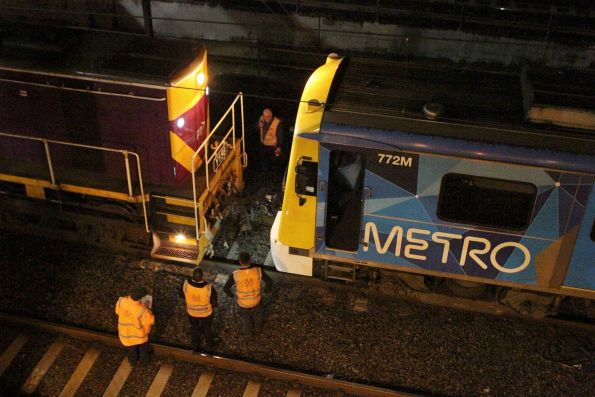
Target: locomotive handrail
point(205, 146)
point(125, 153)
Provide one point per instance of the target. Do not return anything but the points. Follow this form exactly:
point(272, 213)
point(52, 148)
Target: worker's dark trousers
point(143, 350)
point(201, 327)
point(251, 320)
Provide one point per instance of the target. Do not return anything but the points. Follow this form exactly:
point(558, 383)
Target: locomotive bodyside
point(135, 95)
point(106, 126)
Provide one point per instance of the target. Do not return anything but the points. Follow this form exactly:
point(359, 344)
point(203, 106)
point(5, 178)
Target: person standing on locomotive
point(271, 131)
point(248, 280)
point(201, 299)
point(135, 321)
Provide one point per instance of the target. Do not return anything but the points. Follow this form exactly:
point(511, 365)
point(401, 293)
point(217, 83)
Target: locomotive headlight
point(180, 237)
point(180, 122)
point(200, 78)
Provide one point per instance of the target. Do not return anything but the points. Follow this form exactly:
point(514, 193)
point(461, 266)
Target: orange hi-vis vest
point(248, 286)
point(198, 300)
point(134, 321)
point(270, 138)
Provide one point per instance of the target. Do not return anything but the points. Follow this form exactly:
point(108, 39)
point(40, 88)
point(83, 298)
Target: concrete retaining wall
point(317, 34)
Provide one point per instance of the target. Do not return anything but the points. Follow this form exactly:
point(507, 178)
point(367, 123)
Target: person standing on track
point(271, 133)
point(201, 299)
point(248, 280)
point(135, 321)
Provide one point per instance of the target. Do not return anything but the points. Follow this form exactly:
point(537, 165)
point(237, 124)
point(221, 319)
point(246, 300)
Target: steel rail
point(219, 362)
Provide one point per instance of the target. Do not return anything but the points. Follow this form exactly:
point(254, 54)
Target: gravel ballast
point(308, 327)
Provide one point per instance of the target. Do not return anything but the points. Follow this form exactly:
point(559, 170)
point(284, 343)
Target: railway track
point(34, 351)
point(223, 266)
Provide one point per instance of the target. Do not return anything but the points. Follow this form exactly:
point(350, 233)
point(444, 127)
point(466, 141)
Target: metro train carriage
point(104, 125)
point(468, 176)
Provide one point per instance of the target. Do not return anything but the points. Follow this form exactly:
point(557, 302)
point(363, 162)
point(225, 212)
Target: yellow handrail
point(205, 145)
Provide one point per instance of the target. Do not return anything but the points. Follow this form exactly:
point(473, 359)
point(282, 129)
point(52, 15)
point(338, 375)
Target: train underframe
point(75, 218)
point(457, 294)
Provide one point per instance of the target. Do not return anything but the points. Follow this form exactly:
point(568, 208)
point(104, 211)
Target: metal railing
point(205, 145)
point(125, 153)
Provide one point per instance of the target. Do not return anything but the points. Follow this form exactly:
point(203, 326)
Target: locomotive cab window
point(486, 201)
point(344, 200)
point(306, 174)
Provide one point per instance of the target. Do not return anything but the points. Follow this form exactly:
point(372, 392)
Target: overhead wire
point(387, 36)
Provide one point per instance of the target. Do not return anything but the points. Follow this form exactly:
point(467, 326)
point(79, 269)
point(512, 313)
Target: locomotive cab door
point(344, 206)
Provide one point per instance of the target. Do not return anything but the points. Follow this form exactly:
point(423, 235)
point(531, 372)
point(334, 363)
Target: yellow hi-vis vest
point(198, 300)
point(248, 286)
point(270, 138)
point(134, 321)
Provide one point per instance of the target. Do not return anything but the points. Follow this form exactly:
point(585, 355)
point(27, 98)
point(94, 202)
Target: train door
point(344, 200)
point(581, 273)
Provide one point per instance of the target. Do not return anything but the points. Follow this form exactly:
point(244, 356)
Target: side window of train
point(306, 176)
point(486, 201)
point(344, 201)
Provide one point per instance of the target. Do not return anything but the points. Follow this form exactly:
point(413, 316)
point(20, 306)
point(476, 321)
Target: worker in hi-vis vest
point(201, 300)
point(271, 133)
point(135, 321)
point(247, 280)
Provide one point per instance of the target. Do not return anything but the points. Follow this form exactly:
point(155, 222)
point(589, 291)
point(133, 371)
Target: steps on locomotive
point(340, 271)
point(173, 223)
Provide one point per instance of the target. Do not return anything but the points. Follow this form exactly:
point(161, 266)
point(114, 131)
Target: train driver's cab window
point(486, 201)
point(344, 200)
point(306, 174)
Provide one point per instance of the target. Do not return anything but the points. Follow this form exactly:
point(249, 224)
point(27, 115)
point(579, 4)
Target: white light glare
point(180, 123)
point(200, 78)
point(180, 237)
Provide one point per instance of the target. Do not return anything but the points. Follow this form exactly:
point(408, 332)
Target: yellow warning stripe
point(179, 202)
point(182, 152)
point(184, 91)
point(180, 100)
point(103, 193)
point(74, 188)
point(179, 219)
point(25, 180)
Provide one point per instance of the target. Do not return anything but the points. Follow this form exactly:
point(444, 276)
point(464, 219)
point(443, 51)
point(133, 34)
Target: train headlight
point(200, 78)
point(180, 122)
point(180, 237)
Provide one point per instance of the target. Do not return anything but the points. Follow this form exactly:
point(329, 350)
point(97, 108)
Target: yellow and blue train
point(436, 172)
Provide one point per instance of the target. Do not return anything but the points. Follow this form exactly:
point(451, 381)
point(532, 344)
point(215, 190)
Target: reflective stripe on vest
point(248, 286)
point(134, 321)
point(198, 300)
point(270, 138)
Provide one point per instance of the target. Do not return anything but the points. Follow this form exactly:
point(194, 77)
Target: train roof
point(106, 55)
point(482, 104)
